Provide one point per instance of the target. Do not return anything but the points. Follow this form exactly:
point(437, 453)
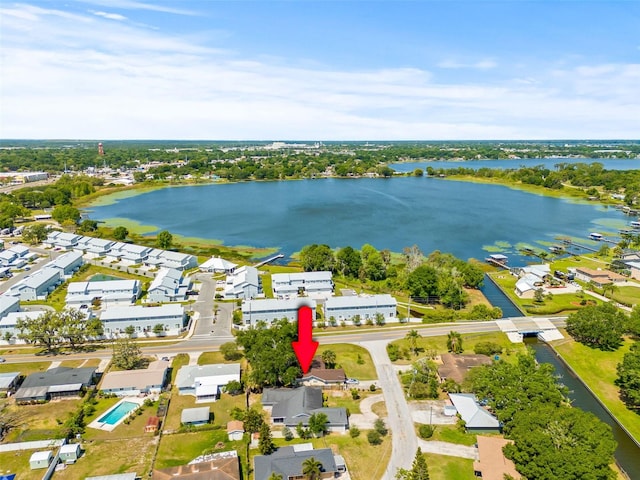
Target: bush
point(287, 434)
point(374, 438)
point(380, 427)
point(372, 387)
point(394, 352)
point(355, 395)
point(426, 431)
point(487, 348)
point(354, 432)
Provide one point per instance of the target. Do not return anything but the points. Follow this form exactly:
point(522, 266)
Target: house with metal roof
point(94, 247)
point(143, 319)
point(40, 459)
point(367, 307)
point(206, 382)
point(62, 240)
point(168, 259)
point(218, 265)
point(195, 416)
point(67, 263)
point(54, 383)
point(16, 257)
point(243, 283)
point(313, 284)
point(8, 324)
point(169, 285)
point(108, 292)
point(287, 461)
point(291, 406)
point(476, 418)
point(128, 253)
point(124, 383)
point(270, 310)
point(9, 381)
point(37, 285)
point(8, 304)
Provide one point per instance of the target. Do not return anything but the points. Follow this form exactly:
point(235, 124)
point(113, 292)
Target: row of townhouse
point(341, 309)
point(244, 283)
point(119, 251)
point(16, 257)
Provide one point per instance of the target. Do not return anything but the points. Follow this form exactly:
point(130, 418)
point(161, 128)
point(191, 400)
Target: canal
point(497, 298)
point(628, 452)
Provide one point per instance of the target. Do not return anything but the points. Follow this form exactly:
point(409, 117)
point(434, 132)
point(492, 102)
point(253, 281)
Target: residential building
point(8, 304)
point(54, 383)
point(69, 452)
point(476, 418)
point(128, 253)
point(116, 319)
point(8, 324)
point(320, 376)
point(153, 424)
point(109, 292)
point(22, 177)
point(235, 430)
point(195, 416)
point(224, 466)
point(599, 277)
point(287, 461)
point(168, 259)
point(456, 366)
point(136, 382)
point(67, 263)
point(272, 309)
point(37, 285)
point(218, 265)
point(168, 286)
point(40, 459)
point(492, 464)
point(312, 284)
point(206, 382)
point(8, 382)
point(61, 240)
point(634, 268)
point(94, 247)
point(16, 257)
point(243, 283)
point(367, 307)
point(291, 406)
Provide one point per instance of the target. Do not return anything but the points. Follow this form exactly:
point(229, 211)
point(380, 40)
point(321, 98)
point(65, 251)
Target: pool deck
point(108, 427)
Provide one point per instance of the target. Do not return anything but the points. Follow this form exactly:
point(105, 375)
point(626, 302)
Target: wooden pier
point(269, 260)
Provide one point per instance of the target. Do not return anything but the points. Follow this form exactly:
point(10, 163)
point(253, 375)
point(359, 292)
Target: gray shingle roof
point(60, 376)
point(296, 405)
point(288, 463)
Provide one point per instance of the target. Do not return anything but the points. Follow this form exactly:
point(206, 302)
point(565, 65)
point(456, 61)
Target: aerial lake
point(466, 219)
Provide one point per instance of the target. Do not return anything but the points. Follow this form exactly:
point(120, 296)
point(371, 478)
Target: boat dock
point(498, 260)
point(269, 260)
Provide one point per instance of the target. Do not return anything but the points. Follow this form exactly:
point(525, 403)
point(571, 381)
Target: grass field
point(598, 370)
point(452, 434)
point(24, 368)
point(43, 421)
point(181, 448)
point(443, 467)
point(221, 409)
point(347, 358)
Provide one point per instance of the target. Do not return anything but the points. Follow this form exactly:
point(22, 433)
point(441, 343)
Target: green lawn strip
point(102, 405)
point(452, 434)
point(598, 370)
point(343, 398)
point(181, 448)
point(211, 358)
point(179, 361)
point(24, 368)
point(347, 357)
point(627, 295)
point(72, 363)
point(444, 467)
point(19, 350)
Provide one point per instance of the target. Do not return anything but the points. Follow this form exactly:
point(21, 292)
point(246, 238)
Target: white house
point(62, 240)
point(167, 259)
point(206, 382)
point(273, 309)
point(313, 284)
point(16, 257)
point(128, 253)
point(67, 263)
point(366, 306)
point(116, 319)
point(8, 304)
point(110, 292)
point(96, 247)
point(168, 286)
point(475, 417)
point(9, 322)
point(38, 285)
point(40, 460)
point(135, 382)
point(243, 283)
point(218, 265)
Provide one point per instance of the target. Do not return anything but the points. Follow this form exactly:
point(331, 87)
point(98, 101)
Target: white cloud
point(486, 64)
point(110, 16)
point(84, 76)
point(134, 5)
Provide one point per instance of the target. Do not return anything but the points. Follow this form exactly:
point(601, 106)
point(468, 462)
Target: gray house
point(54, 383)
point(8, 304)
point(195, 416)
point(168, 286)
point(206, 382)
point(38, 285)
point(68, 263)
point(287, 461)
point(476, 418)
point(291, 406)
point(243, 283)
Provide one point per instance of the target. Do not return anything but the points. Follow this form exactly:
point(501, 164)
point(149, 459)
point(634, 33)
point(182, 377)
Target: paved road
point(404, 440)
point(41, 262)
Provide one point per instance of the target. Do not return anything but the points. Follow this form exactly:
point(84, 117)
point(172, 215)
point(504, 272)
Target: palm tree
point(413, 337)
point(329, 358)
point(275, 476)
point(609, 287)
point(312, 468)
point(454, 342)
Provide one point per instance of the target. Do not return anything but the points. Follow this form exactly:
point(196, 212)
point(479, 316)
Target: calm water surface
point(609, 164)
point(466, 219)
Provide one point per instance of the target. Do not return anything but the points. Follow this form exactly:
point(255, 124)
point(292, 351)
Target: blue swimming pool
point(118, 412)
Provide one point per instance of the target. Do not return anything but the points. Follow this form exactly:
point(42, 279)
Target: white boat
point(595, 236)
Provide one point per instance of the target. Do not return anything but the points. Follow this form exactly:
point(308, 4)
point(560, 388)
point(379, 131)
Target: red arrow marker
point(305, 347)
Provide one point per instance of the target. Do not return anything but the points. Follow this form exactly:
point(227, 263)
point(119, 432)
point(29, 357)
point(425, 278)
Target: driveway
point(403, 438)
point(430, 412)
point(213, 319)
point(366, 418)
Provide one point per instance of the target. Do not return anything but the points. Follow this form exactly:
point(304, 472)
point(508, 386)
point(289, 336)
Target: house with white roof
point(313, 284)
point(67, 263)
point(532, 277)
point(62, 240)
point(16, 257)
point(168, 259)
point(116, 319)
point(128, 252)
point(218, 265)
point(273, 309)
point(38, 285)
point(125, 383)
point(476, 418)
point(96, 247)
point(168, 286)
point(9, 322)
point(8, 304)
point(243, 283)
point(110, 292)
point(345, 308)
point(206, 382)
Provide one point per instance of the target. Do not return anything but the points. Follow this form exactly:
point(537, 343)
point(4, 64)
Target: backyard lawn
point(443, 467)
point(355, 360)
point(42, 421)
point(181, 448)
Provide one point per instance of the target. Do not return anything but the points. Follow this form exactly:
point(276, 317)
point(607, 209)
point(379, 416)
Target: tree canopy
point(598, 326)
point(316, 258)
point(629, 377)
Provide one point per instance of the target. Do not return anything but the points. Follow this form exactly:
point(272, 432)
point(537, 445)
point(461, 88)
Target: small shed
point(152, 424)
point(195, 416)
point(70, 452)
point(40, 460)
point(235, 430)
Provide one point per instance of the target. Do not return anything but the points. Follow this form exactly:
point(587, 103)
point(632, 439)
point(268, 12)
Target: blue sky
point(320, 70)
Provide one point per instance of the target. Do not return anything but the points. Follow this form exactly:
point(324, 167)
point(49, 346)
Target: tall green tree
point(44, 330)
point(348, 262)
point(35, 233)
point(64, 213)
point(318, 424)
point(317, 258)
point(629, 377)
point(598, 326)
point(120, 233)
point(454, 342)
point(265, 441)
point(422, 282)
point(329, 358)
point(419, 469)
point(312, 469)
point(164, 240)
point(413, 336)
point(126, 354)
